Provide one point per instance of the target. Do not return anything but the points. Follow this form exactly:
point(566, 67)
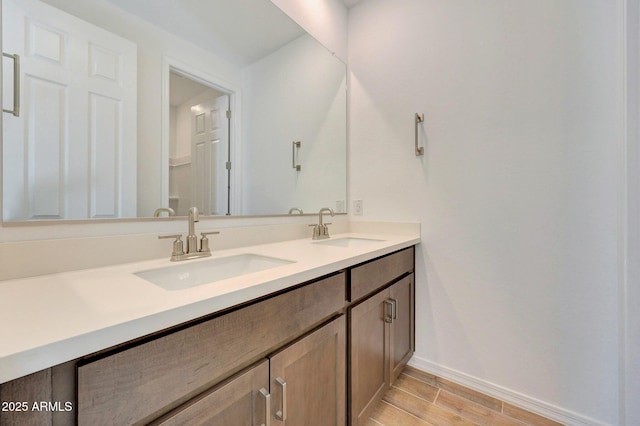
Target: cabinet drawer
point(142, 382)
point(371, 276)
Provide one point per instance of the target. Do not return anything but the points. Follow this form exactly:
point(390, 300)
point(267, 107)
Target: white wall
point(518, 272)
point(285, 76)
point(325, 20)
point(630, 303)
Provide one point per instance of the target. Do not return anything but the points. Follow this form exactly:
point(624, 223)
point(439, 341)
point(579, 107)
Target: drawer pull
point(388, 311)
point(282, 413)
point(394, 308)
point(267, 406)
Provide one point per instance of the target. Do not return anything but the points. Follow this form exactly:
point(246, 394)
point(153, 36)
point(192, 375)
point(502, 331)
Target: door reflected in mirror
point(199, 148)
point(91, 140)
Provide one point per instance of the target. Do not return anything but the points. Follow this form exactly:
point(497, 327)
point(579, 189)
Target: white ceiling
point(181, 89)
point(241, 31)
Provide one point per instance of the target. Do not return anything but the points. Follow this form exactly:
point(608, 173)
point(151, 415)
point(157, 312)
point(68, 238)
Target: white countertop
point(51, 319)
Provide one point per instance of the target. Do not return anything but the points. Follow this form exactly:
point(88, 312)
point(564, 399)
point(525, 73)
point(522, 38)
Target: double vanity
point(292, 332)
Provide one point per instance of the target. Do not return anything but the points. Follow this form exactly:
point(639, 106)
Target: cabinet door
point(241, 401)
point(308, 379)
point(369, 361)
point(402, 343)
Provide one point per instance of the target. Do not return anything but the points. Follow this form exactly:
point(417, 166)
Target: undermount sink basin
point(348, 242)
point(189, 275)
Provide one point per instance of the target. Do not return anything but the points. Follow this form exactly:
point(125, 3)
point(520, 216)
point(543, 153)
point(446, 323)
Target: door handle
point(282, 413)
point(267, 406)
point(16, 84)
point(388, 311)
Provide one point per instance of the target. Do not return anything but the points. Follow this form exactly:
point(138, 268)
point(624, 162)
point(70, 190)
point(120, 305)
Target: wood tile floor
point(421, 399)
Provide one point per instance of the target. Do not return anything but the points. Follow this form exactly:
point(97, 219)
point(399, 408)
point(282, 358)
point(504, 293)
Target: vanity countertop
point(51, 319)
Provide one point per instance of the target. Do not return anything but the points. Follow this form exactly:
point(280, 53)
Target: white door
point(72, 152)
point(209, 150)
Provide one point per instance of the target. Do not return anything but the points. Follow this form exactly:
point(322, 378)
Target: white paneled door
point(72, 152)
point(209, 152)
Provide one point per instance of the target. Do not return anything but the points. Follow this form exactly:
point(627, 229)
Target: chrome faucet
point(192, 251)
point(321, 231)
point(292, 210)
point(167, 210)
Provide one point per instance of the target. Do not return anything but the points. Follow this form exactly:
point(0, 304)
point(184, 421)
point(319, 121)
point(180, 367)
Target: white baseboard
point(528, 403)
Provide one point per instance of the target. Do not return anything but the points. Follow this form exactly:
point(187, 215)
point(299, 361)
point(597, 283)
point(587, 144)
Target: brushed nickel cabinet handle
point(388, 311)
point(394, 308)
point(267, 406)
point(16, 84)
point(282, 413)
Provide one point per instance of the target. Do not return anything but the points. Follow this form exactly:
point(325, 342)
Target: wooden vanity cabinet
point(287, 357)
point(141, 383)
point(381, 332)
point(307, 387)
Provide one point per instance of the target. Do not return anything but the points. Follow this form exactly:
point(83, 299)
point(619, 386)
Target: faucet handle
point(320, 232)
point(178, 248)
point(204, 241)
point(176, 236)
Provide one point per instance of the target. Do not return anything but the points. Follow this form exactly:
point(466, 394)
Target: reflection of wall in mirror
point(325, 20)
point(305, 80)
point(179, 170)
point(154, 46)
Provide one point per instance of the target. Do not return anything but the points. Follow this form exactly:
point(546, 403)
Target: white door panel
point(72, 152)
point(45, 165)
point(209, 150)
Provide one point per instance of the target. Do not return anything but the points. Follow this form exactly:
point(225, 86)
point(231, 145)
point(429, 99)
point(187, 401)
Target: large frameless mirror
point(136, 108)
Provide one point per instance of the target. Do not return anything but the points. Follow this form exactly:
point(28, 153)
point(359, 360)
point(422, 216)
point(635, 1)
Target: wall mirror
point(136, 108)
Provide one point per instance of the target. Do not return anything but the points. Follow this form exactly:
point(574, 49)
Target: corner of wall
point(325, 20)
